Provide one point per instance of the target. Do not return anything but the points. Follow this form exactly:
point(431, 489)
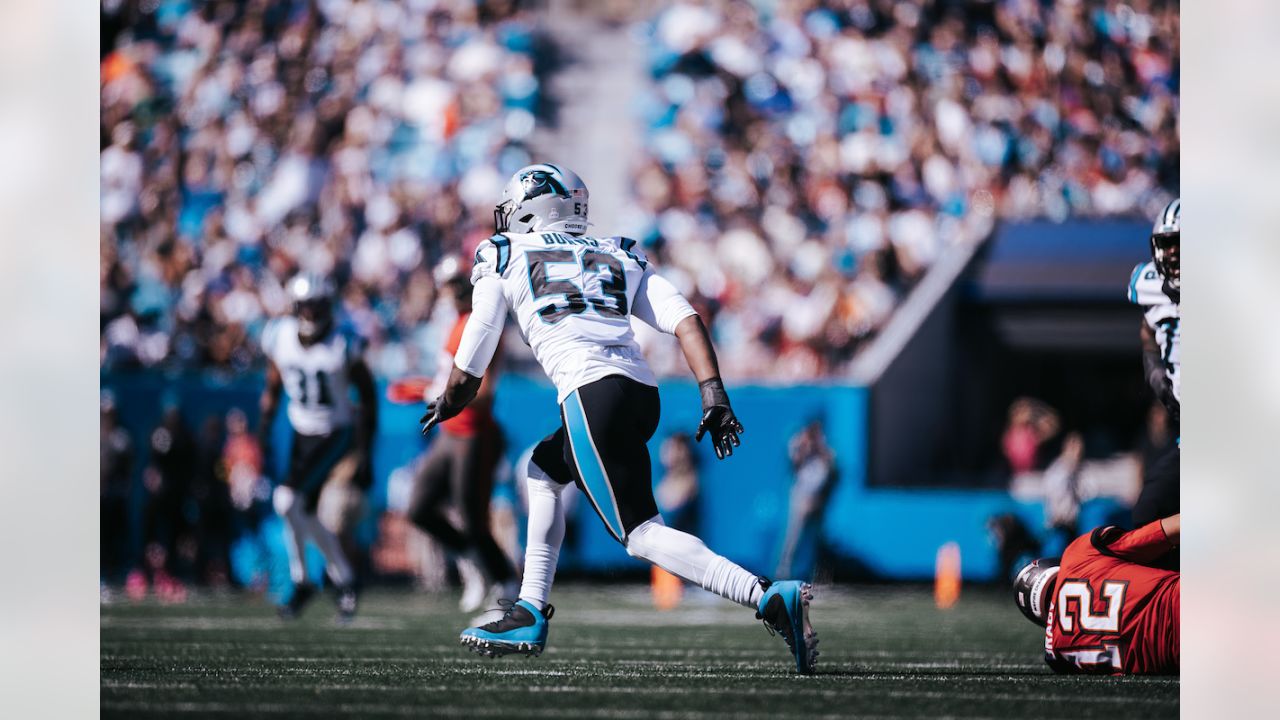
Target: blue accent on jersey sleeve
point(627, 244)
point(503, 244)
point(1133, 282)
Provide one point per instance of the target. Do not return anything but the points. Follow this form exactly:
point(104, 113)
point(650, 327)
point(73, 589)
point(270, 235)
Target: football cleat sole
point(497, 649)
point(808, 660)
point(810, 635)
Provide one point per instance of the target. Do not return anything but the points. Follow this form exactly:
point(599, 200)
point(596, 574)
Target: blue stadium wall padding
point(893, 534)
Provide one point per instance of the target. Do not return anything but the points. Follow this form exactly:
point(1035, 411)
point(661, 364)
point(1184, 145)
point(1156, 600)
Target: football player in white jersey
point(573, 296)
point(317, 365)
point(1156, 285)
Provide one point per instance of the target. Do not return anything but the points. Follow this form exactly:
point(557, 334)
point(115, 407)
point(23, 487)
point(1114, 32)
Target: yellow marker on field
point(667, 589)
point(946, 579)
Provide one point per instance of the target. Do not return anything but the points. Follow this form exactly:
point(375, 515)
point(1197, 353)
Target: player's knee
point(640, 542)
point(283, 500)
point(539, 482)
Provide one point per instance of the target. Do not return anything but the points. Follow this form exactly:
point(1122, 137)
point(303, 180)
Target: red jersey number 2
point(1075, 605)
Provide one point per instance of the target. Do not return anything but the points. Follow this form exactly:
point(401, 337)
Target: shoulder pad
point(492, 257)
point(632, 249)
point(1146, 287)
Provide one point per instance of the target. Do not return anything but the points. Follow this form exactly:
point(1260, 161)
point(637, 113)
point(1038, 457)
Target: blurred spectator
point(814, 468)
point(1032, 423)
point(212, 499)
point(677, 491)
point(807, 161)
point(166, 516)
point(1014, 542)
point(242, 467)
point(116, 471)
point(1062, 494)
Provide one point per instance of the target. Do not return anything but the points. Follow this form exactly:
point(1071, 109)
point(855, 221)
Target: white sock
point(295, 533)
point(686, 556)
point(335, 559)
point(546, 532)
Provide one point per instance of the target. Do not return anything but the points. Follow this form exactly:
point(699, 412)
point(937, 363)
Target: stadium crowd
point(245, 141)
point(805, 161)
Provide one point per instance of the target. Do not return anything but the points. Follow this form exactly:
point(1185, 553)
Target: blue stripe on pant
point(595, 480)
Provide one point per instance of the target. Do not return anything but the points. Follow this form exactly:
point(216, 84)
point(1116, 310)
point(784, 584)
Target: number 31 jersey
point(315, 376)
point(1111, 613)
point(573, 298)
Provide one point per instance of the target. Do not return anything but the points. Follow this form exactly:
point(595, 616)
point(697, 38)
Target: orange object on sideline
point(946, 580)
point(668, 589)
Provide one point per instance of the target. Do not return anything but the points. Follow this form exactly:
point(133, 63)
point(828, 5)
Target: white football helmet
point(540, 198)
point(312, 297)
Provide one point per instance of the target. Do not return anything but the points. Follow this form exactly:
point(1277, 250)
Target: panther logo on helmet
point(540, 198)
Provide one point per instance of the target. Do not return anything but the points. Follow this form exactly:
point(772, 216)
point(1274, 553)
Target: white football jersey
point(315, 376)
point(1146, 288)
point(573, 298)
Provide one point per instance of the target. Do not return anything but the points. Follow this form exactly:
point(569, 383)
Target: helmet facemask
point(1164, 253)
point(1034, 587)
point(1165, 235)
point(312, 306)
point(502, 215)
point(315, 318)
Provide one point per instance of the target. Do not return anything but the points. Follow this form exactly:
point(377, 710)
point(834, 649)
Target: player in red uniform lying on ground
point(1104, 608)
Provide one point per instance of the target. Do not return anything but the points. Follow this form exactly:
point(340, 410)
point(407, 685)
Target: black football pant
point(311, 462)
point(1160, 498)
point(1160, 489)
point(602, 446)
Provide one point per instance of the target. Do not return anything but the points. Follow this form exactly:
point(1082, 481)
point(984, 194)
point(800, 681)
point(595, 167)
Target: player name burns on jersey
point(573, 298)
point(315, 376)
point(1163, 315)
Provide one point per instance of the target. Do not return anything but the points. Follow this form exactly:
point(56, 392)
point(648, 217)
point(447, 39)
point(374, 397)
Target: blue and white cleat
point(785, 609)
point(521, 630)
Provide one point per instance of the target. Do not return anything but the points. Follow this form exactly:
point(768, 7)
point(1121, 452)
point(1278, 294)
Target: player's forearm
point(1152, 362)
point(695, 343)
point(483, 330)
point(1172, 527)
point(461, 388)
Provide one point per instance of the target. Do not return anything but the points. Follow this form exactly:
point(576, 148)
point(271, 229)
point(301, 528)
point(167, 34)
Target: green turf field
point(886, 652)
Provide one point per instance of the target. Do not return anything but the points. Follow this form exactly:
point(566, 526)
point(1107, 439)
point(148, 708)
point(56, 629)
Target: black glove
point(718, 419)
point(438, 411)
